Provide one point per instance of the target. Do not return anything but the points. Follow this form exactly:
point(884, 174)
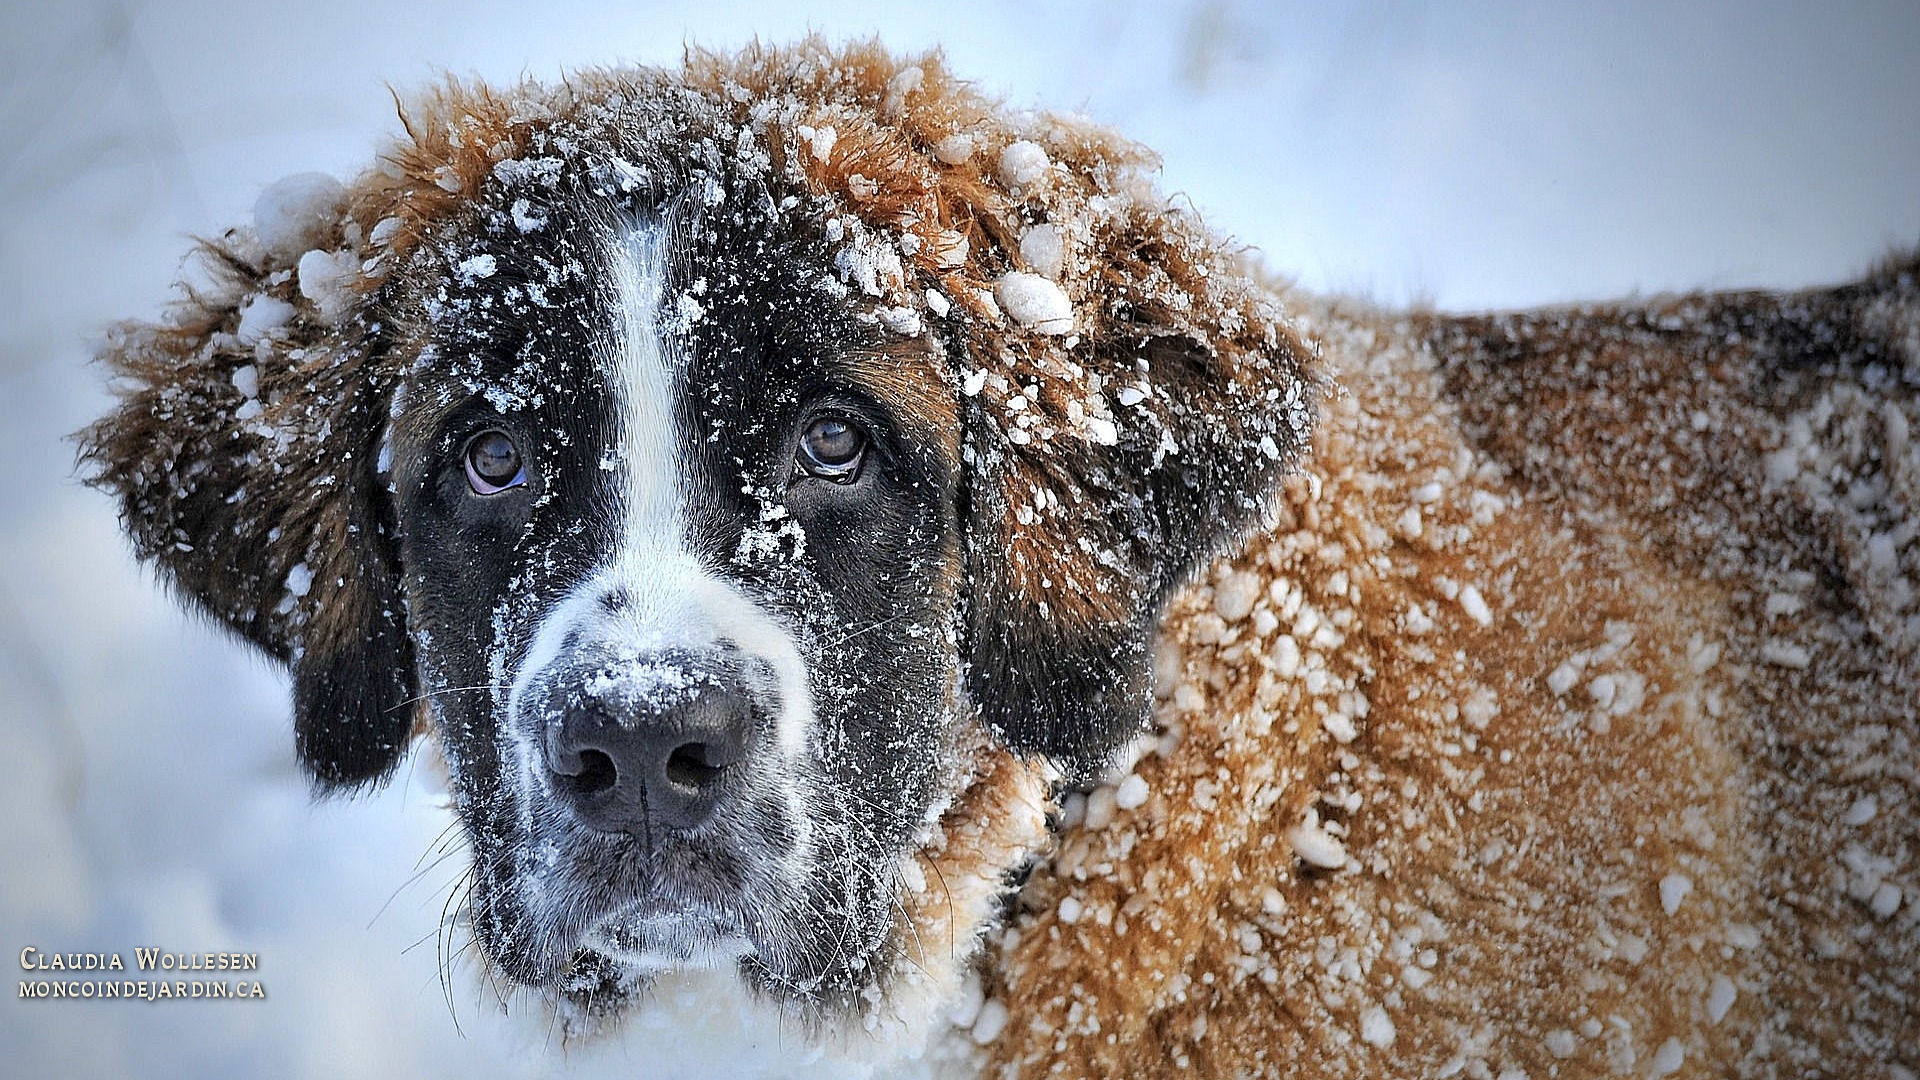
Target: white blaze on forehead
point(647, 376)
point(669, 599)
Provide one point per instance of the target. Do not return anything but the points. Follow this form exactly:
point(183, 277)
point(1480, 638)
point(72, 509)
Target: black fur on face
point(523, 600)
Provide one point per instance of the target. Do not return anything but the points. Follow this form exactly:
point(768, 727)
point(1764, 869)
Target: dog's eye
point(493, 463)
point(831, 448)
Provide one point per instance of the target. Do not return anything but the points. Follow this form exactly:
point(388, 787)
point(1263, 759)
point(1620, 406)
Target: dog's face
point(671, 454)
point(681, 557)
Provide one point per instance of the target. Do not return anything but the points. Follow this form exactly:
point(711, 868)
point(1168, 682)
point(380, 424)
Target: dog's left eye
point(832, 448)
point(493, 463)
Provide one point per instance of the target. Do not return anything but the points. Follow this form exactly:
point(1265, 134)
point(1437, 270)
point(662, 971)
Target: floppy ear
point(1075, 544)
point(243, 456)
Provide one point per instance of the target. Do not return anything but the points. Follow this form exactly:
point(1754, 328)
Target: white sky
point(1503, 155)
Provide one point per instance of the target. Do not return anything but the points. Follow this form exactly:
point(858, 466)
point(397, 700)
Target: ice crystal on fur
point(297, 214)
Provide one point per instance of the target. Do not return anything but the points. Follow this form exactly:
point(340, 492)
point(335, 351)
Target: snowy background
point(1516, 154)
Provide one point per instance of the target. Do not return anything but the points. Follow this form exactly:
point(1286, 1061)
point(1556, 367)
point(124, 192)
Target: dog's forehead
point(524, 309)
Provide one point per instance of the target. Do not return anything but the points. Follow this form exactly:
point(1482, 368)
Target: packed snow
point(1022, 164)
point(297, 213)
point(1035, 303)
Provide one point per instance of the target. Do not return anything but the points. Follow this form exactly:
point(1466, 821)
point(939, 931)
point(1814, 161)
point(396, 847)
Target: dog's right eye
point(493, 463)
point(831, 448)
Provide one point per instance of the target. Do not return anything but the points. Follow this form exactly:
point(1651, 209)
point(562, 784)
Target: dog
point(887, 584)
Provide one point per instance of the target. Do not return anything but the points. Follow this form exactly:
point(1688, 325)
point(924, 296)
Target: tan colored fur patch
point(998, 822)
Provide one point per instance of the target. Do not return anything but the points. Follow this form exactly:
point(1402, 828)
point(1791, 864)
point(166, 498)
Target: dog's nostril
point(691, 766)
point(597, 773)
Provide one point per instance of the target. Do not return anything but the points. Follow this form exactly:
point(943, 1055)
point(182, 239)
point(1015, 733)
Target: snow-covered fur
point(1555, 716)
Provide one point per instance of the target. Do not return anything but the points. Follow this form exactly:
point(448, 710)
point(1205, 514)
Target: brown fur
point(1505, 843)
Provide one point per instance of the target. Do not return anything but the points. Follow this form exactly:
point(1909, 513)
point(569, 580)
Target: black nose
point(631, 767)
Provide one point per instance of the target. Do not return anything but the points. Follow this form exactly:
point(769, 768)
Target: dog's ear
point(243, 454)
point(1076, 539)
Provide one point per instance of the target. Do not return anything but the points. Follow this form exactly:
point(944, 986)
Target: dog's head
point(721, 465)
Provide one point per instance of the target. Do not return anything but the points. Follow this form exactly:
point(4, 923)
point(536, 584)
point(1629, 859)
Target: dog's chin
point(651, 937)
